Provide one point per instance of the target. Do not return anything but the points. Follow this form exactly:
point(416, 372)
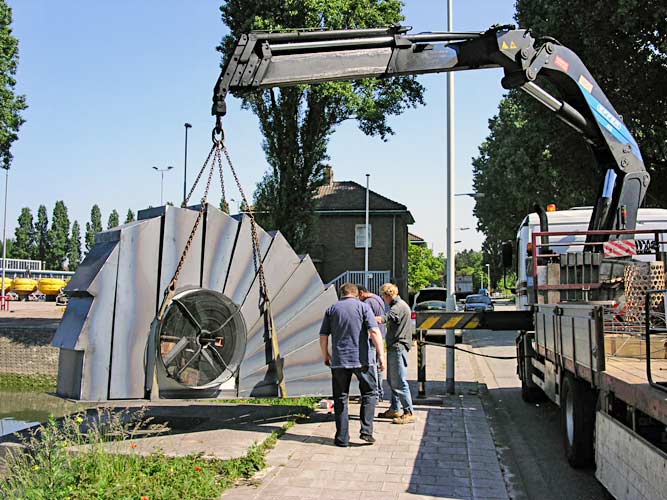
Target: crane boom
point(263, 60)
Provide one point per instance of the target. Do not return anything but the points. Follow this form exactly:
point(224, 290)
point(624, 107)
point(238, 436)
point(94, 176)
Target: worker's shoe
point(367, 437)
point(406, 418)
point(390, 413)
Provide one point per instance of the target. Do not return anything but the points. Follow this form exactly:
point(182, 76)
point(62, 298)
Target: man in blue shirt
point(378, 307)
point(351, 325)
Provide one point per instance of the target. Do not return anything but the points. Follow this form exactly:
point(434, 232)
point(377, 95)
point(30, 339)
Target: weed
point(18, 383)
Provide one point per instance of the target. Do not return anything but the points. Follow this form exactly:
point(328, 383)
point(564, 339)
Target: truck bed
point(626, 378)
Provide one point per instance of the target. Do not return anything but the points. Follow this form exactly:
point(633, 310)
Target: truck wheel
point(532, 394)
point(577, 406)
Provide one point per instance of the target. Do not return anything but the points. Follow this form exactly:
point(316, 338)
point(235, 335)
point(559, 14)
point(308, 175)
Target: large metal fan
point(202, 339)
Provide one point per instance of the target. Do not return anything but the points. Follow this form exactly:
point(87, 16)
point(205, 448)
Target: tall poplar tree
point(11, 104)
point(24, 236)
point(42, 234)
point(74, 251)
point(114, 219)
point(58, 238)
point(297, 122)
point(130, 216)
point(93, 227)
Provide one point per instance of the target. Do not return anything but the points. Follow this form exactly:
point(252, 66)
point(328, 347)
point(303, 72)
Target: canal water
point(20, 410)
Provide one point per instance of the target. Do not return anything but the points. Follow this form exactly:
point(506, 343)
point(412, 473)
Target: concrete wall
point(28, 352)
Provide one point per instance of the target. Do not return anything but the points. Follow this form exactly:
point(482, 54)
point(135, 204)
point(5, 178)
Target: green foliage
point(471, 263)
point(297, 122)
point(74, 252)
point(58, 237)
point(50, 471)
point(24, 236)
point(18, 383)
point(531, 157)
point(307, 402)
point(42, 234)
point(10, 248)
point(11, 104)
point(424, 268)
point(93, 227)
point(114, 219)
point(130, 216)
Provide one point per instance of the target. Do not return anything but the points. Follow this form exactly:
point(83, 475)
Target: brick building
point(339, 233)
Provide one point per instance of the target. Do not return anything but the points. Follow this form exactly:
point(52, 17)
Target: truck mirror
point(507, 253)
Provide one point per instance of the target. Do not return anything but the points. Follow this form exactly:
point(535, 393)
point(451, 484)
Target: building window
point(359, 241)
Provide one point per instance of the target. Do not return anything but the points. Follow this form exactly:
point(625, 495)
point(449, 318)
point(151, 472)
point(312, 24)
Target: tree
point(297, 122)
point(424, 268)
point(74, 251)
point(130, 216)
point(58, 238)
point(531, 157)
point(10, 248)
point(42, 234)
point(93, 227)
point(24, 236)
point(114, 219)
point(11, 104)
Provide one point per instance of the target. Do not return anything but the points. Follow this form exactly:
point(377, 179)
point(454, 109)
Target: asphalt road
point(528, 436)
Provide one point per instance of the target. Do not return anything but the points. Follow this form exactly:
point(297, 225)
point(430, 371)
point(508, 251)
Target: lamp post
point(488, 276)
point(4, 238)
point(472, 195)
point(450, 339)
point(368, 176)
point(162, 171)
point(185, 162)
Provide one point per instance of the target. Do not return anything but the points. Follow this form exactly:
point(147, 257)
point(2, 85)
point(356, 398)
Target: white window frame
point(359, 236)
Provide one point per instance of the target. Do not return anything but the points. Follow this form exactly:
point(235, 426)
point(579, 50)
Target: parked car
point(478, 303)
point(431, 298)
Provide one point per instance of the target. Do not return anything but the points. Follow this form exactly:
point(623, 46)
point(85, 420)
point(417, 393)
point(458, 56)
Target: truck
point(589, 317)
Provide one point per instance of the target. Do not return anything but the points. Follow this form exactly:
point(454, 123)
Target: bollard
point(421, 365)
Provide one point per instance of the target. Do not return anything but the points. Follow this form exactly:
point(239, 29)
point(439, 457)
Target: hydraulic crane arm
point(262, 60)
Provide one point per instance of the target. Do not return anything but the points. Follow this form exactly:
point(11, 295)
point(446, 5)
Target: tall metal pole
point(185, 162)
point(161, 186)
point(368, 176)
point(4, 237)
point(450, 340)
point(488, 275)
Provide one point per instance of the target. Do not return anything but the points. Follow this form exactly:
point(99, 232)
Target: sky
point(110, 85)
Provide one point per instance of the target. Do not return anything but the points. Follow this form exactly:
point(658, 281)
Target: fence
point(18, 265)
point(375, 279)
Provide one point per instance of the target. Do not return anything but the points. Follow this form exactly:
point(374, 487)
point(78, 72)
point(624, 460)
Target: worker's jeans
point(340, 381)
point(378, 375)
point(397, 374)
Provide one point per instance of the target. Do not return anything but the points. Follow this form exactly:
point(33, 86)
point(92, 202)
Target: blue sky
point(110, 85)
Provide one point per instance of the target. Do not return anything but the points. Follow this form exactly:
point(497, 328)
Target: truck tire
point(577, 406)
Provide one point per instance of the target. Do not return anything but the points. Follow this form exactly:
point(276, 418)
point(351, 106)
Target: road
point(528, 436)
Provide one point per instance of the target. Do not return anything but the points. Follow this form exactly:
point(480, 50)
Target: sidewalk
point(447, 453)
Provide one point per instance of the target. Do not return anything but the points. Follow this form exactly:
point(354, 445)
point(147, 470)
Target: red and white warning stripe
point(620, 248)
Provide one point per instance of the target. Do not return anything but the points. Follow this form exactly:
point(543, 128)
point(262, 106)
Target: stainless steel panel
point(242, 269)
point(221, 231)
point(89, 268)
point(178, 223)
point(303, 287)
point(73, 322)
point(95, 336)
point(136, 306)
point(279, 264)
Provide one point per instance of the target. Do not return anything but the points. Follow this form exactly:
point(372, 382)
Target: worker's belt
point(487, 320)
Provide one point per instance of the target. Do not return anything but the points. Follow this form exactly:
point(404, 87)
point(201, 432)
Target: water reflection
point(19, 410)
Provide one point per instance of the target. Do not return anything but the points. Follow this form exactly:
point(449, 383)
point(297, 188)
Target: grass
point(307, 402)
point(18, 383)
point(69, 461)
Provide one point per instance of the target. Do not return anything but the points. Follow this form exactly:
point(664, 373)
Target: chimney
point(328, 176)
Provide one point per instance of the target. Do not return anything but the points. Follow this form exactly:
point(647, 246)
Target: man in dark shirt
point(378, 307)
point(399, 340)
point(351, 324)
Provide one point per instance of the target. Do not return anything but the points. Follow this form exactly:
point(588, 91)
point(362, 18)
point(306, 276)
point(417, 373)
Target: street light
point(185, 162)
point(162, 171)
point(472, 195)
point(463, 228)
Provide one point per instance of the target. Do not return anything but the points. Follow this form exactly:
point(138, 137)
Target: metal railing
point(22, 265)
point(375, 279)
point(652, 329)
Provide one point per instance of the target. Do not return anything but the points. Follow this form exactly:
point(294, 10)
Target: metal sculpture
point(214, 339)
